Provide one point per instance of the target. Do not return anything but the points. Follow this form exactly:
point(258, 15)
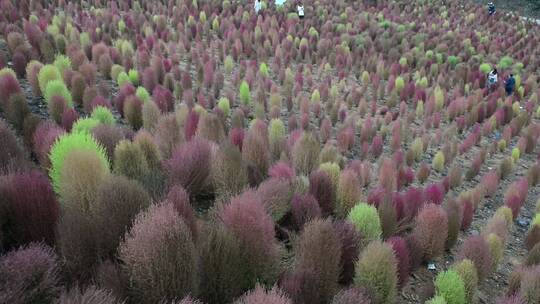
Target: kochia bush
point(450, 286)
point(47, 74)
point(366, 221)
point(431, 229)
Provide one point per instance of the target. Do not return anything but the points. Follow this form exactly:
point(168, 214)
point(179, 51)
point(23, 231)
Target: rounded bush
point(57, 88)
point(260, 295)
point(476, 249)
point(47, 74)
point(366, 220)
point(160, 256)
point(91, 295)
point(376, 271)
point(244, 94)
point(130, 160)
point(103, 115)
point(438, 161)
point(467, 272)
point(450, 286)
point(352, 295)
point(65, 145)
point(62, 63)
point(85, 125)
point(431, 230)
point(143, 94)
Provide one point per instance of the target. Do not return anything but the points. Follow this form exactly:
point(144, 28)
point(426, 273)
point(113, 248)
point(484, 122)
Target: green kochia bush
point(245, 95)
point(366, 220)
point(85, 125)
point(376, 271)
point(103, 115)
point(450, 286)
point(47, 74)
point(57, 88)
point(65, 145)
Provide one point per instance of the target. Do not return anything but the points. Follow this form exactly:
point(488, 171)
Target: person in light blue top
point(257, 6)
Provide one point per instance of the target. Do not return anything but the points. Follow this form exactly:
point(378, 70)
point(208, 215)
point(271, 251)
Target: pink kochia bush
point(322, 188)
point(431, 230)
point(350, 248)
point(247, 219)
point(476, 249)
point(160, 256)
point(259, 296)
point(29, 274)
point(401, 252)
point(44, 137)
point(189, 165)
point(28, 208)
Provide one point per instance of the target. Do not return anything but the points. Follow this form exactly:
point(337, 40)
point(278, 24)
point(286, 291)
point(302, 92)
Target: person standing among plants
point(510, 84)
point(492, 79)
point(491, 8)
point(257, 6)
point(300, 9)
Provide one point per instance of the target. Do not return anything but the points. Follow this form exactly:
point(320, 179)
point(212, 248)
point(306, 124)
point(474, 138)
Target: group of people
point(509, 83)
point(299, 7)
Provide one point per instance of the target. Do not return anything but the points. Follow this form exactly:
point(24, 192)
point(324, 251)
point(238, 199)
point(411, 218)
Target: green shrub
point(505, 213)
point(143, 94)
point(58, 88)
point(467, 271)
point(103, 115)
point(85, 125)
point(449, 285)
point(225, 106)
point(535, 221)
point(485, 68)
point(122, 79)
point(376, 271)
point(399, 83)
point(515, 154)
point(276, 137)
point(453, 60)
point(438, 161)
point(116, 70)
point(365, 219)
point(263, 70)
point(245, 95)
point(229, 64)
point(333, 170)
point(47, 74)
point(62, 63)
point(305, 154)
point(68, 143)
point(420, 109)
point(496, 247)
point(436, 300)
point(130, 160)
point(133, 77)
point(505, 62)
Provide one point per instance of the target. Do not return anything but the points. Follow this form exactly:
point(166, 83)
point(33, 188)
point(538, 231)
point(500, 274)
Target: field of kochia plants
point(193, 151)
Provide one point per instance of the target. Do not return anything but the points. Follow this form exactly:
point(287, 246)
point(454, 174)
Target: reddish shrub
point(353, 295)
point(9, 85)
point(12, 153)
point(476, 249)
point(19, 61)
point(90, 295)
point(149, 79)
point(282, 170)
point(191, 124)
point(387, 175)
point(163, 99)
point(401, 252)
point(44, 137)
point(431, 230)
point(256, 154)
point(276, 197)
point(189, 165)
point(350, 248)
point(434, 193)
point(415, 251)
point(180, 200)
point(511, 300)
point(160, 256)
point(301, 287)
point(345, 139)
point(423, 172)
point(29, 275)
point(125, 91)
point(377, 146)
point(108, 136)
point(236, 136)
point(246, 218)
point(490, 182)
point(454, 213)
point(259, 295)
point(413, 201)
point(468, 212)
point(322, 188)
point(319, 252)
point(69, 117)
point(304, 208)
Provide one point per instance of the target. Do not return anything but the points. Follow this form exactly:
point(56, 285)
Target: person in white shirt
point(300, 9)
point(492, 79)
point(257, 6)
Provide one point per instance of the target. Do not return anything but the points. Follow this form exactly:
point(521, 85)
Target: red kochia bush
point(401, 252)
point(247, 219)
point(30, 207)
point(476, 249)
point(281, 170)
point(434, 194)
point(261, 296)
point(29, 275)
point(189, 165)
point(44, 137)
point(69, 117)
point(304, 207)
point(350, 248)
point(431, 230)
point(180, 200)
point(319, 252)
point(322, 188)
point(191, 124)
point(353, 295)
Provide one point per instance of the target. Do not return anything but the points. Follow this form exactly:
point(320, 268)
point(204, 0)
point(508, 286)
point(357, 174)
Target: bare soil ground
point(525, 8)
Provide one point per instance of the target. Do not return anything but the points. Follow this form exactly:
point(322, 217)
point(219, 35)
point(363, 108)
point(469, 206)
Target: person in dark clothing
point(491, 8)
point(510, 84)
